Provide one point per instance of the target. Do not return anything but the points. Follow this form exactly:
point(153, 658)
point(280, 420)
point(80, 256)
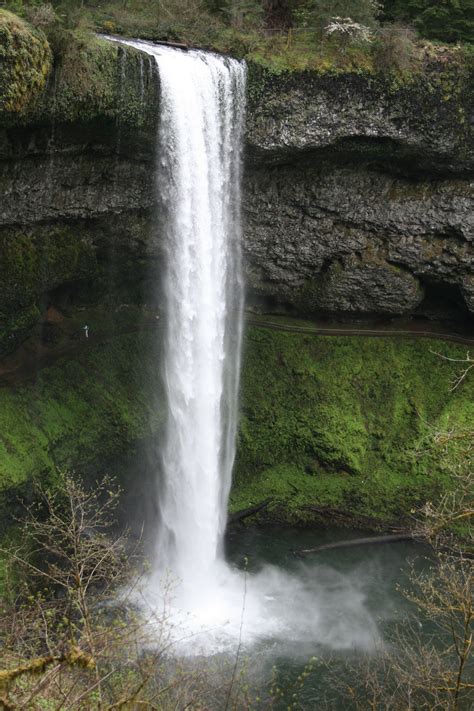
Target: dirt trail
point(381, 332)
point(34, 355)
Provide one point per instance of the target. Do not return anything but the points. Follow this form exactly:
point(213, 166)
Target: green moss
point(78, 412)
point(16, 326)
point(35, 258)
point(344, 422)
point(25, 62)
point(96, 77)
point(92, 77)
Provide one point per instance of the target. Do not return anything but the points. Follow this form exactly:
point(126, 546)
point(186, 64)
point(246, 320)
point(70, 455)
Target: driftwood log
point(407, 536)
point(250, 511)
point(175, 45)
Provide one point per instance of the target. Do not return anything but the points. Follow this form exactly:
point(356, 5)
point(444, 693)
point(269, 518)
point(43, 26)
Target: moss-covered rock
point(25, 63)
point(78, 414)
point(91, 78)
point(345, 422)
point(98, 78)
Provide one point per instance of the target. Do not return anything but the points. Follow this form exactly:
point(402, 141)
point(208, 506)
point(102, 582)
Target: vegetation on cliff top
point(359, 35)
point(94, 78)
point(25, 62)
point(91, 78)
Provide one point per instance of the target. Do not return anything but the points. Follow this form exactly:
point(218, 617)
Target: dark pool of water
point(355, 597)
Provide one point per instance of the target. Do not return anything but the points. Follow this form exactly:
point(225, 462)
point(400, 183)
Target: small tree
point(396, 48)
point(72, 565)
point(346, 31)
point(321, 12)
point(73, 636)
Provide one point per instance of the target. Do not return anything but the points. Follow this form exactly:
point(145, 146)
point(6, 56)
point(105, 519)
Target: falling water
point(202, 101)
point(198, 176)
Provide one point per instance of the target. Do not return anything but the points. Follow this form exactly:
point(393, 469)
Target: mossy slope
point(78, 413)
point(345, 422)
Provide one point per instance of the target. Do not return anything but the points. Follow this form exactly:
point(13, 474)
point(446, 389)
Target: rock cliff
point(359, 195)
point(357, 203)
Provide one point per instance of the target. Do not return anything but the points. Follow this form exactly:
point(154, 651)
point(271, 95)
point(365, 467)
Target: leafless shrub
point(346, 31)
point(396, 48)
point(72, 636)
point(42, 15)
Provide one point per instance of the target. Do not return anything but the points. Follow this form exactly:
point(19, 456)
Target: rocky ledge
point(357, 203)
point(359, 193)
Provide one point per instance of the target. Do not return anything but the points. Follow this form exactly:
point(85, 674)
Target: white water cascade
point(198, 178)
point(212, 605)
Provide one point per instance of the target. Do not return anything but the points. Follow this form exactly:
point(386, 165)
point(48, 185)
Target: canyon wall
point(358, 205)
point(358, 196)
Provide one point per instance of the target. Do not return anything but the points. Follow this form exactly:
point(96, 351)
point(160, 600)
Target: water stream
point(202, 100)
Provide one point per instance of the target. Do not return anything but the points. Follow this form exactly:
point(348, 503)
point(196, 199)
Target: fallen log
point(250, 511)
point(174, 45)
point(407, 536)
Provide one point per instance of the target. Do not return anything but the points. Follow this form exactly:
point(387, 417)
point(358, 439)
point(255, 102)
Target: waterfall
point(198, 179)
point(214, 606)
point(198, 175)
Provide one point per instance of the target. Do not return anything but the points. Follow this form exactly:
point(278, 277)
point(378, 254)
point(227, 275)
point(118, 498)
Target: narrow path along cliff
point(36, 354)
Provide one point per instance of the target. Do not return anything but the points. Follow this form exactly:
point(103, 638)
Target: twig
point(358, 542)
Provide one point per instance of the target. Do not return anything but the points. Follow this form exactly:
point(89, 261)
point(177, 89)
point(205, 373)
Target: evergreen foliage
point(318, 13)
point(445, 20)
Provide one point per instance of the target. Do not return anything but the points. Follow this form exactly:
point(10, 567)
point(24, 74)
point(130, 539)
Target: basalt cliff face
point(359, 194)
point(358, 197)
point(358, 204)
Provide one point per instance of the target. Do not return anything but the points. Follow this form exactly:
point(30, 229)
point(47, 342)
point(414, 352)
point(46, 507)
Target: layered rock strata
point(358, 196)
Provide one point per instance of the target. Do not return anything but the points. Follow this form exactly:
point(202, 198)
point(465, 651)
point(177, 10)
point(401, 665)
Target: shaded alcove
point(443, 302)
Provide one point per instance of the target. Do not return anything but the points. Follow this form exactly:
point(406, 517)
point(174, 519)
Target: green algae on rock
point(77, 413)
